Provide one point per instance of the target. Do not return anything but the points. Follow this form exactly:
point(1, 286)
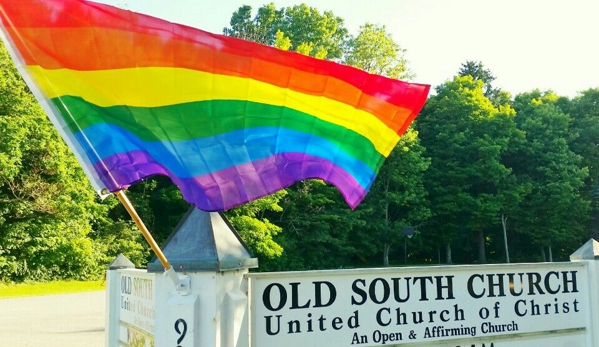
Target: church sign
point(449, 306)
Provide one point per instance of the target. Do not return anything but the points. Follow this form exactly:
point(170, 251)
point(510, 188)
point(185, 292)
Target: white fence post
point(589, 253)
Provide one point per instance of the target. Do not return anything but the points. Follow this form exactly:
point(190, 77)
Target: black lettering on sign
point(282, 297)
point(530, 283)
point(318, 293)
point(126, 285)
point(275, 296)
point(182, 332)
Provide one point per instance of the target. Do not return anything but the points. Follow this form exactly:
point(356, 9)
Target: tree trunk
point(482, 259)
point(439, 254)
point(504, 223)
point(386, 254)
point(405, 251)
point(448, 253)
point(386, 245)
point(543, 253)
point(550, 254)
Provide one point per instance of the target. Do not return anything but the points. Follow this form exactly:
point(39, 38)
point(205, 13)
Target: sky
point(527, 44)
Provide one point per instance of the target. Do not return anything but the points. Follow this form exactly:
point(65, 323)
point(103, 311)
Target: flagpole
point(146, 233)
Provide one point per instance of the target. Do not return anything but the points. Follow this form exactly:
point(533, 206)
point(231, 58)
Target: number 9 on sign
point(181, 329)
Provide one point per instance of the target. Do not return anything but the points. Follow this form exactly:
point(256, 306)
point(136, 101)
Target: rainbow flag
point(229, 121)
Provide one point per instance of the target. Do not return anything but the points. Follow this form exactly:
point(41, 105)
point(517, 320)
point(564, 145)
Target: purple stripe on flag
point(235, 185)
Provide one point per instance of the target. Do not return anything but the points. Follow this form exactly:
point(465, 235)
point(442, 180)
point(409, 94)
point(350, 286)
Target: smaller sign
point(137, 312)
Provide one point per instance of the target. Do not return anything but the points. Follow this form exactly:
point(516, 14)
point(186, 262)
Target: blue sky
point(546, 44)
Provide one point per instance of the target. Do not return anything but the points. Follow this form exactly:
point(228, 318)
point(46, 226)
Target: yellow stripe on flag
point(163, 86)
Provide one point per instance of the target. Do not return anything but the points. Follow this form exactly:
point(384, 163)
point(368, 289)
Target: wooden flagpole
point(146, 233)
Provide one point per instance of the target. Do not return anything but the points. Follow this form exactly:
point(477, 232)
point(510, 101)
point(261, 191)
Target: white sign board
point(137, 311)
point(496, 305)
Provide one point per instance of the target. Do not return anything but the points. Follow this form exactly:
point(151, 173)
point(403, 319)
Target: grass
point(49, 288)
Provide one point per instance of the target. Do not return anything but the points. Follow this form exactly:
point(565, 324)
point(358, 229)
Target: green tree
point(397, 198)
point(318, 228)
point(47, 207)
point(584, 110)
point(478, 72)
point(554, 213)
point(256, 230)
point(159, 204)
point(466, 137)
point(310, 32)
point(262, 28)
point(375, 51)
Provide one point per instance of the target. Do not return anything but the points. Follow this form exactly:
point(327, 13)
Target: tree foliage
point(46, 205)
point(554, 212)
point(398, 198)
point(466, 137)
point(317, 228)
point(375, 51)
point(255, 229)
point(584, 111)
point(308, 31)
point(477, 71)
point(476, 165)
